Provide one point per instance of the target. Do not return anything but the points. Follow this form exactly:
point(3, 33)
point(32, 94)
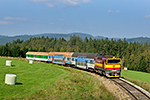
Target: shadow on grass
point(17, 83)
point(13, 65)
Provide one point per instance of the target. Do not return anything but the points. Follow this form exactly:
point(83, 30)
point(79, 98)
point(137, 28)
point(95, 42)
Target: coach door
point(63, 61)
point(76, 63)
point(52, 59)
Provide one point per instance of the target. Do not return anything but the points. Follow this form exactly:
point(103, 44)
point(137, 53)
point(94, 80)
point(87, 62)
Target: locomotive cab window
point(113, 61)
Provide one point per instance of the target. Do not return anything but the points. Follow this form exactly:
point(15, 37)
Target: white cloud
point(87, 1)
point(61, 20)
point(51, 23)
point(5, 22)
point(52, 3)
point(71, 2)
point(110, 11)
point(117, 11)
point(147, 16)
point(17, 18)
point(8, 18)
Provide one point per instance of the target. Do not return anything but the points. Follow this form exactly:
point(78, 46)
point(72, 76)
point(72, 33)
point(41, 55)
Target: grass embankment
point(140, 78)
point(49, 81)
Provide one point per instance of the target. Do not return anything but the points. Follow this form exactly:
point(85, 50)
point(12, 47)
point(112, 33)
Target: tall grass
point(49, 81)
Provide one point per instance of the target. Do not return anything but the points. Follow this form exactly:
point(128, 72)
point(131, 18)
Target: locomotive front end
point(113, 67)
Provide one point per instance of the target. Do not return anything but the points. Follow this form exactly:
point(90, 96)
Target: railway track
point(134, 92)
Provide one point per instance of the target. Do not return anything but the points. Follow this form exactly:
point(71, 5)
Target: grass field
point(140, 78)
point(49, 81)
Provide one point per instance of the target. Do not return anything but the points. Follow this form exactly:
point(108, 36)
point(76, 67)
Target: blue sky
point(110, 18)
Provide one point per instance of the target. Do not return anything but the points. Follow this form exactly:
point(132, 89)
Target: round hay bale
point(8, 63)
point(30, 61)
point(10, 79)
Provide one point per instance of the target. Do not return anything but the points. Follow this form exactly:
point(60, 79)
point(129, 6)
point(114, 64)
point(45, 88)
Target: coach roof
point(85, 55)
point(66, 54)
point(37, 53)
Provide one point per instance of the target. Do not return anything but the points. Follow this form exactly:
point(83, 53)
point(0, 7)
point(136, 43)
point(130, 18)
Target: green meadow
point(140, 78)
point(49, 81)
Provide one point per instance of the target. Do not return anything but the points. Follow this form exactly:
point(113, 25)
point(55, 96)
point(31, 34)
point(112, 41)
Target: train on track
point(108, 65)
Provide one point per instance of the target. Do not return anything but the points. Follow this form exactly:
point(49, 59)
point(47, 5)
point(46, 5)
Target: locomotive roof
point(108, 56)
point(104, 56)
point(37, 53)
point(66, 54)
point(85, 55)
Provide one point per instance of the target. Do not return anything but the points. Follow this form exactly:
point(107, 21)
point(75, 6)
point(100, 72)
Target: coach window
point(91, 61)
point(72, 59)
point(68, 59)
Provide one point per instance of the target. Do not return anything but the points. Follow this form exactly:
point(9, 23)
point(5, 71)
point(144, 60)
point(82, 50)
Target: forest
point(135, 56)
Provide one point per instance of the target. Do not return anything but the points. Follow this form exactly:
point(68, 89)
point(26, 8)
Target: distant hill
point(4, 39)
point(140, 40)
point(2, 36)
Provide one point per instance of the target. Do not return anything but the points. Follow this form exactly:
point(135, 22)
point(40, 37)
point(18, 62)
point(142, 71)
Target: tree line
point(135, 56)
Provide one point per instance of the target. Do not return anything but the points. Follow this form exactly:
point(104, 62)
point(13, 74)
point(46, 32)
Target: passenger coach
point(63, 58)
point(84, 60)
point(41, 56)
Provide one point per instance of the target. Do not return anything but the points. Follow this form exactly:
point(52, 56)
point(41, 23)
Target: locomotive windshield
point(114, 61)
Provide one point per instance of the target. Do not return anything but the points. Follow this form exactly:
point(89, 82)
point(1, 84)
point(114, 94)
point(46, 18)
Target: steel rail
point(115, 80)
point(137, 89)
point(125, 89)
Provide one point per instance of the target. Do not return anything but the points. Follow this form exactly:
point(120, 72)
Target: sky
point(109, 18)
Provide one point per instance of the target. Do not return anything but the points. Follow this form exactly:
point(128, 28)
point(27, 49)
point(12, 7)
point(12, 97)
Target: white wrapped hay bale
point(30, 61)
point(10, 79)
point(8, 63)
point(125, 68)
